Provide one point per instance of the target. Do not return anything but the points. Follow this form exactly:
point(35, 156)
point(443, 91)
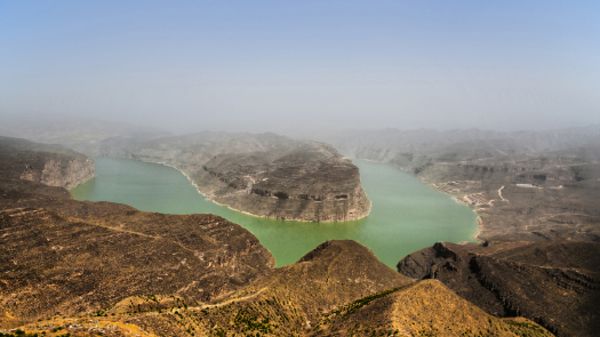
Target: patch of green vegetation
point(18, 333)
point(21, 333)
point(354, 306)
point(527, 329)
point(220, 332)
point(247, 321)
point(176, 312)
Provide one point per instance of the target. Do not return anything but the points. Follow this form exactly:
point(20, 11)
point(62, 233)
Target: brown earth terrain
point(555, 283)
point(71, 268)
point(391, 313)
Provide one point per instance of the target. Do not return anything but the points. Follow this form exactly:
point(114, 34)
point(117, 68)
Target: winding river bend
point(406, 216)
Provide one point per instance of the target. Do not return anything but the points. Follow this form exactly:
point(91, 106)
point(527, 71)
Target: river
point(407, 215)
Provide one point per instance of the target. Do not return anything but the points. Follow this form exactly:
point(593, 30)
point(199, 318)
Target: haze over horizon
point(288, 67)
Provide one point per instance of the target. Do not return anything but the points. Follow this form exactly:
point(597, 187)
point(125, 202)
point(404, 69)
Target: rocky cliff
point(45, 164)
point(63, 172)
point(261, 174)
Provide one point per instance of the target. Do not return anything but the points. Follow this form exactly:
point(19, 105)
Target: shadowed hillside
point(555, 283)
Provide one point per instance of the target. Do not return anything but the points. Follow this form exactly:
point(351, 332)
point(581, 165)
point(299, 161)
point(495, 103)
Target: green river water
point(406, 216)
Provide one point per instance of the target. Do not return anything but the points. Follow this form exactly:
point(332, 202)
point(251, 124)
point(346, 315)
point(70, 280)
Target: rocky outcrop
point(46, 164)
point(310, 183)
point(66, 173)
point(264, 174)
point(556, 284)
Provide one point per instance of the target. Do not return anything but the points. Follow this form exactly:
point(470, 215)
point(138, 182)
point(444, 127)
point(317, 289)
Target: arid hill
point(555, 283)
point(425, 308)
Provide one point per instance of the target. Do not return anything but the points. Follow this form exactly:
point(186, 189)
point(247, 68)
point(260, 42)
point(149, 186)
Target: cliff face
point(66, 173)
point(310, 183)
point(264, 175)
point(45, 164)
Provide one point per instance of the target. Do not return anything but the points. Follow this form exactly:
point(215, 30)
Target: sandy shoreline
point(478, 218)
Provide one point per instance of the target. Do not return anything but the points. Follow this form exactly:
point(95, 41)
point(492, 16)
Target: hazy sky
point(285, 65)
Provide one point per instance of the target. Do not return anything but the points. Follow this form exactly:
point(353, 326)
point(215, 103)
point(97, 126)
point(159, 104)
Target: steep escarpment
point(310, 183)
point(556, 283)
point(264, 175)
point(45, 164)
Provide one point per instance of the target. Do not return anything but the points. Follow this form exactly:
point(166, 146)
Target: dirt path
point(500, 194)
point(231, 300)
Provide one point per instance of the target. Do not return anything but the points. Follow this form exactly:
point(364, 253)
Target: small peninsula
point(265, 175)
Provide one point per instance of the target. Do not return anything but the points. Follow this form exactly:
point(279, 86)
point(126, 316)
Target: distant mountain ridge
point(383, 145)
